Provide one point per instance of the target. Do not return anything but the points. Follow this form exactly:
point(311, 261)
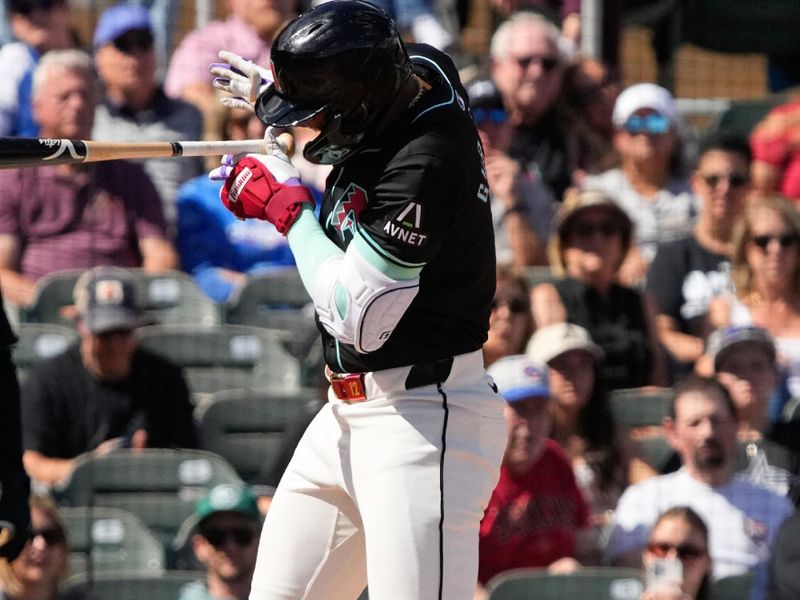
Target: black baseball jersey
point(417, 194)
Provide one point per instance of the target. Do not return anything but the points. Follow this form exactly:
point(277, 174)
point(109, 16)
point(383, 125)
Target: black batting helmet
point(343, 58)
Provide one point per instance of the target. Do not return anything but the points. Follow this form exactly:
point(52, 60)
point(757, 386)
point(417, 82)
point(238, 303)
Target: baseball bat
point(34, 152)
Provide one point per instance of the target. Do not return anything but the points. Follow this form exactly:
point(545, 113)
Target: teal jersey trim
point(383, 254)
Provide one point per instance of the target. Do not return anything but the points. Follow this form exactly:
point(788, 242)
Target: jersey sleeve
point(413, 205)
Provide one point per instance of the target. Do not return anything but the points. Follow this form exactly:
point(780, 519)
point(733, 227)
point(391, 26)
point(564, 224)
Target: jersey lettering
point(344, 216)
point(412, 238)
point(417, 215)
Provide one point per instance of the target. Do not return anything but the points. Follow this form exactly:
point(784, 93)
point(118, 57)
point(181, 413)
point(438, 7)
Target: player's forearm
point(311, 248)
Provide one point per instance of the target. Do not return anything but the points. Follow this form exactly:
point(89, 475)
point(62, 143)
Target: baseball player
point(390, 481)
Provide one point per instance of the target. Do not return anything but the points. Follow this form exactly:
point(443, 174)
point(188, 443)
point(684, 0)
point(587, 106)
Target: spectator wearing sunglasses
point(510, 322)
point(766, 279)
point(679, 535)
point(648, 185)
point(134, 106)
point(743, 518)
point(38, 26)
point(687, 273)
point(43, 564)
point(522, 205)
point(527, 65)
point(226, 543)
point(593, 236)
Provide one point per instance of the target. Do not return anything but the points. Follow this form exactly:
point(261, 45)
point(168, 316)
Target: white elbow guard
point(358, 304)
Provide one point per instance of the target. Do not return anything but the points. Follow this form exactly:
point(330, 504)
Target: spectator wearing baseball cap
point(593, 236)
point(649, 184)
point(228, 523)
point(38, 26)
point(136, 398)
point(134, 106)
point(522, 527)
point(582, 423)
point(745, 362)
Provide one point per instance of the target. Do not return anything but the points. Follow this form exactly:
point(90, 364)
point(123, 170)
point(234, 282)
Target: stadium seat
point(741, 117)
point(640, 407)
point(273, 300)
point(221, 357)
point(734, 587)
point(160, 486)
point(171, 297)
point(37, 341)
point(639, 412)
point(110, 539)
point(597, 583)
point(247, 428)
point(130, 585)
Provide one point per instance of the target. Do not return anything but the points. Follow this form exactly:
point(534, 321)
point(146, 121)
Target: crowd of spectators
point(661, 272)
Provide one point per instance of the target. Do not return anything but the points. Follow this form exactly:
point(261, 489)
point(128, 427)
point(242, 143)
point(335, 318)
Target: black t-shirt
point(66, 412)
point(7, 337)
point(683, 278)
point(417, 195)
point(543, 149)
point(616, 323)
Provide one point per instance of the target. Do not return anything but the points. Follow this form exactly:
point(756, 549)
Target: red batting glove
point(251, 190)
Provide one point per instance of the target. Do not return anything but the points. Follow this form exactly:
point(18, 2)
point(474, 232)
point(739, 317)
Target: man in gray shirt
point(134, 107)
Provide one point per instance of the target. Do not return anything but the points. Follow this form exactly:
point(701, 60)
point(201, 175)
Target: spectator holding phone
point(676, 559)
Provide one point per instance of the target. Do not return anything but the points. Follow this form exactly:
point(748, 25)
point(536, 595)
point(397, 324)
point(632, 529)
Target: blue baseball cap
point(119, 20)
point(519, 378)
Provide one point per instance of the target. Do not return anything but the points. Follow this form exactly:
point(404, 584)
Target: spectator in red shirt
point(75, 216)
point(537, 516)
point(776, 153)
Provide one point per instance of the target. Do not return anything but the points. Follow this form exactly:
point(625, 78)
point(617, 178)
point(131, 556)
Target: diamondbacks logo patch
point(344, 215)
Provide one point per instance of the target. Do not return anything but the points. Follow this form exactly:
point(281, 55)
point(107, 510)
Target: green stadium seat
point(597, 583)
point(640, 407)
point(159, 486)
point(274, 300)
point(130, 585)
point(38, 341)
point(741, 117)
point(103, 539)
point(734, 587)
point(247, 428)
point(220, 357)
point(171, 297)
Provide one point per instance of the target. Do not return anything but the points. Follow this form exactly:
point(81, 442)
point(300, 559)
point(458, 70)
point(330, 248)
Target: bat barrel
point(21, 152)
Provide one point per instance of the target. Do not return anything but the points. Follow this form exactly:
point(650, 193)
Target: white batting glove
point(274, 158)
point(241, 78)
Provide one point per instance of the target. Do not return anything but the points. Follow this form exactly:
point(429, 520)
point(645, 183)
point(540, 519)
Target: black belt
point(350, 387)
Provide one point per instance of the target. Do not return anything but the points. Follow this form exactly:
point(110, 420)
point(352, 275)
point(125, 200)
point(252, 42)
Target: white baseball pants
point(387, 492)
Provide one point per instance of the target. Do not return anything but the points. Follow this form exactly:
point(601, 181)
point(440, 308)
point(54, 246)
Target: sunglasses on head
point(588, 229)
point(784, 240)
point(684, 551)
point(654, 124)
point(734, 180)
point(217, 536)
point(135, 39)
point(51, 535)
point(495, 116)
point(515, 305)
point(548, 63)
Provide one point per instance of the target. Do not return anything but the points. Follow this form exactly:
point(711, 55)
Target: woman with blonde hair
point(42, 566)
point(592, 238)
point(765, 270)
